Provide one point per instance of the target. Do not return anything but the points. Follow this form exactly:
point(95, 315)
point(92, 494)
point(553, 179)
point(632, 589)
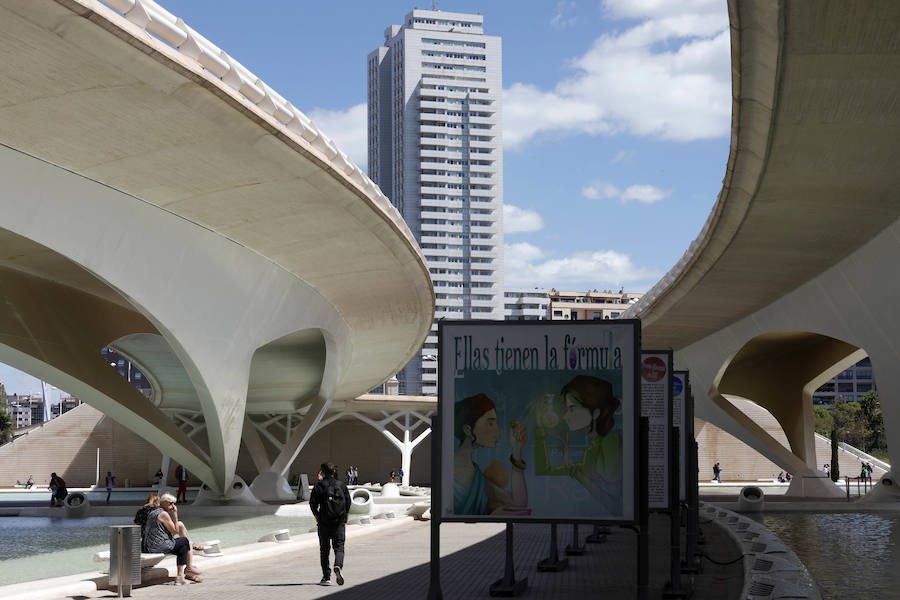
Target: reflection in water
point(851, 555)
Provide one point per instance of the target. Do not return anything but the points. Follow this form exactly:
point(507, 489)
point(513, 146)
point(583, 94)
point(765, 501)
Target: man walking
point(110, 482)
point(330, 505)
point(181, 476)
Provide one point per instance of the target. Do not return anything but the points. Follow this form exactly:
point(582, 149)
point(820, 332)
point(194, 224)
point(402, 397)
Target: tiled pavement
point(394, 564)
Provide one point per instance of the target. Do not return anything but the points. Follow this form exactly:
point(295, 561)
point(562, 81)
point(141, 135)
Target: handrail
point(868, 457)
point(859, 454)
point(866, 485)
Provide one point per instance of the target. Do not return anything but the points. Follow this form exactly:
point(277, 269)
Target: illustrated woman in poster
point(590, 407)
point(477, 492)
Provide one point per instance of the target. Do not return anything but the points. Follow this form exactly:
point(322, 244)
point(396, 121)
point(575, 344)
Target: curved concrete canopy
point(793, 276)
point(284, 374)
point(255, 266)
point(811, 173)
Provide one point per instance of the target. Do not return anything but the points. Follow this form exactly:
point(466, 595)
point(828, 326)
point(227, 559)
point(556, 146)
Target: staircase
point(68, 446)
point(740, 462)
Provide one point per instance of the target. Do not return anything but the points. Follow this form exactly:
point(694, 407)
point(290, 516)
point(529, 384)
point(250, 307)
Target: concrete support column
point(406, 448)
point(780, 374)
point(255, 446)
point(271, 485)
point(301, 434)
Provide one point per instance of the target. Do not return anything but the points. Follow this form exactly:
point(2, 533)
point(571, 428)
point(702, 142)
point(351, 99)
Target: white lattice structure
point(405, 424)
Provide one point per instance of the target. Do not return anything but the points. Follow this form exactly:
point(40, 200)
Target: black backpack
point(334, 503)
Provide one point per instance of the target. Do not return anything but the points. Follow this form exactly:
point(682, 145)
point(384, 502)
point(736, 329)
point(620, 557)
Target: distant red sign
point(653, 369)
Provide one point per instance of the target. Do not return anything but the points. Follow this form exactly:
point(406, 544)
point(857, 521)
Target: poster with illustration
point(539, 420)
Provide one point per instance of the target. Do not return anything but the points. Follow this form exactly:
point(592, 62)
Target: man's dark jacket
point(317, 498)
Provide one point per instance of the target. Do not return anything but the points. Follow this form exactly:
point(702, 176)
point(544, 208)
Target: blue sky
point(616, 117)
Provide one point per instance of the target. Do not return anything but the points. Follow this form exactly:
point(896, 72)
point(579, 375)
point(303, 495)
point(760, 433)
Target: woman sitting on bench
point(159, 531)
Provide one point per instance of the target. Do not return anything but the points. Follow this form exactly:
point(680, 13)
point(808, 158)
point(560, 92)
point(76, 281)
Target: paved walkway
point(394, 563)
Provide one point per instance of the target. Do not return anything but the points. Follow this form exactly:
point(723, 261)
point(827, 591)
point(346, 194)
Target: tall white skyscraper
point(436, 150)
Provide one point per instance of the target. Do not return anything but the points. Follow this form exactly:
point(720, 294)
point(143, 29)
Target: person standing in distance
point(330, 505)
point(110, 482)
point(181, 476)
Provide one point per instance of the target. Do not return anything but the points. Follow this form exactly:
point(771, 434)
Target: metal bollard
point(124, 557)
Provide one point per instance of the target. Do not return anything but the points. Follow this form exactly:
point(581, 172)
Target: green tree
point(5, 426)
point(860, 424)
point(824, 421)
point(847, 418)
point(870, 407)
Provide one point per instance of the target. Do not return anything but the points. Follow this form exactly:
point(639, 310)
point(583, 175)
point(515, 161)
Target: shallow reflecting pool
point(851, 555)
point(67, 546)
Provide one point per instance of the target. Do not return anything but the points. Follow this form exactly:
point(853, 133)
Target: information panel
point(656, 405)
point(539, 420)
point(680, 384)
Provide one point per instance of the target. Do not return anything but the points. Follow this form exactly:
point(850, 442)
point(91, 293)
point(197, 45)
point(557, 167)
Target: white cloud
point(643, 193)
point(517, 220)
point(600, 191)
point(526, 265)
point(642, 9)
point(669, 76)
point(347, 128)
point(560, 19)
point(622, 156)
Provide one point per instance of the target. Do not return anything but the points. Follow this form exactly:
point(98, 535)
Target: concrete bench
point(279, 535)
point(210, 548)
point(147, 560)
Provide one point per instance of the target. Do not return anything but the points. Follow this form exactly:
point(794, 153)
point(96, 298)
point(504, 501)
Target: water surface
point(42, 547)
point(851, 555)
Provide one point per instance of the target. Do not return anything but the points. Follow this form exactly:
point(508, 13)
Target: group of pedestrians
point(352, 475)
point(396, 476)
point(865, 473)
point(162, 531)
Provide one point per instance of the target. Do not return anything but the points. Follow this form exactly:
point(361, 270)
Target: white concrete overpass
point(160, 199)
point(796, 273)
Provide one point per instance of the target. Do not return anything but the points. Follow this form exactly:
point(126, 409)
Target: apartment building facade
point(556, 305)
point(850, 384)
point(435, 149)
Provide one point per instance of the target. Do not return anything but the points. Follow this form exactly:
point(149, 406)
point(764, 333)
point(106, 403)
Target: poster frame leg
point(674, 588)
point(692, 563)
point(598, 535)
point(553, 562)
point(576, 548)
point(434, 587)
point(643, 529)
point(508, 586)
